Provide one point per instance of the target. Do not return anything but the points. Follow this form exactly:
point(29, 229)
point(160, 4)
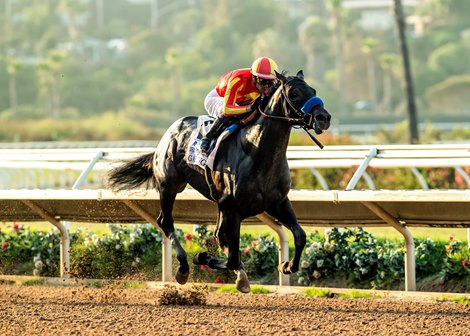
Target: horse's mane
point(265, 100)
point(278, 83)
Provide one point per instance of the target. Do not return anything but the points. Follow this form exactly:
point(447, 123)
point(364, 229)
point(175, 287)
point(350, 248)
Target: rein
point(292, 121)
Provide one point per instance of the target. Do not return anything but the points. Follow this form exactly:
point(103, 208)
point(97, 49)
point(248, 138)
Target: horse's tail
point(132, 173)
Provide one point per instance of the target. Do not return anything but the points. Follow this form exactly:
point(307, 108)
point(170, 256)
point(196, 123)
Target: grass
point(33, 282)
point(227, 289)
point(233, 289)
point(457, 300)
point(324, 293)
point(317, 292)
point(259, 290)
point(356, 295)
point(461, 300)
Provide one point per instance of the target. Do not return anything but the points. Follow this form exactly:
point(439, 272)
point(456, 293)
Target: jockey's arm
point(231, 108)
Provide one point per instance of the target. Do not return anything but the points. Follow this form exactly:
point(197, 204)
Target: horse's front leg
point(285, 214)
point(219, 233)
point(165, 221)
point(230, 224)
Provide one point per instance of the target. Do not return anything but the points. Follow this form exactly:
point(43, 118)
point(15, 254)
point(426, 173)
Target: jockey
point(236, 93)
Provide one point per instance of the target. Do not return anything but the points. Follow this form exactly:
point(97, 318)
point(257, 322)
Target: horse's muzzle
point(321, 121)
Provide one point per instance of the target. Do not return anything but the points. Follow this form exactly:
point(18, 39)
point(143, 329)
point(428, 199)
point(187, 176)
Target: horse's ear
point(281, 77)
point(300, 74)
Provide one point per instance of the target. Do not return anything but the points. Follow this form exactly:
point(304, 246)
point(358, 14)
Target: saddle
point(194, 155)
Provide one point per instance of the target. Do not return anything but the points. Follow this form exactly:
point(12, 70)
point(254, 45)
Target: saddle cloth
point(194, 155)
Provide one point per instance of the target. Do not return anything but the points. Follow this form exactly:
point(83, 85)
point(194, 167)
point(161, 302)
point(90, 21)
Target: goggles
point(264, 82)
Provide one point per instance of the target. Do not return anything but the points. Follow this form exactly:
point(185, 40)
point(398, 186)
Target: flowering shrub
point(428, 256)
point(123, 252)
point(351, 252)
point(357, 256)
point(390, 264)
point(260, 255)
point(456, 261)
point(135, 251)
point(23, 250)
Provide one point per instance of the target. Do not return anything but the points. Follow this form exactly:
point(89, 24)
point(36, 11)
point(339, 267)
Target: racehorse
point(250, 174)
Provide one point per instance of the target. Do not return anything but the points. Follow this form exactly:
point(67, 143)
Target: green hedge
point(134, 252)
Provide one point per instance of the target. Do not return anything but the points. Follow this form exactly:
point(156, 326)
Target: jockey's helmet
point(264, 67)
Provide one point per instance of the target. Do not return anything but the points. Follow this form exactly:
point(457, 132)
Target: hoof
point(284, 268)
point(181, 277)
point(242, 283)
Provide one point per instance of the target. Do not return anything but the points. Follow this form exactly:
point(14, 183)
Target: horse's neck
point(267, 140)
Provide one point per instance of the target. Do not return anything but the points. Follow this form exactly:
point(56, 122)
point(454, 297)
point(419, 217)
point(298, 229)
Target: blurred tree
point(216, 12)
point(50, 77)
point(369, 46)
point(96, 90)
point(211, 37)
point(146, 46)
point(450, 13)
point(35, 29)
point(70, 11)
point(172, 62)
point(450, 59)
point(335, 9)
point(272, 44)
point(13, 65)
point(450, 97)
point(5, 17)
point(313, 40)
point(249, 17)
point(390, 64)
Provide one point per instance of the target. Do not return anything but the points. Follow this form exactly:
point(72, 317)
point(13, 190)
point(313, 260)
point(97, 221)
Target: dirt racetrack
point(40, 310)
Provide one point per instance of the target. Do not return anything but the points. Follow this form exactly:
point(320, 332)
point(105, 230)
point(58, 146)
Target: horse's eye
point(293, 94)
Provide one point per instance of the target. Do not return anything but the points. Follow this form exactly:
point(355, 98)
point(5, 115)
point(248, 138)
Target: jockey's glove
point(254, 106)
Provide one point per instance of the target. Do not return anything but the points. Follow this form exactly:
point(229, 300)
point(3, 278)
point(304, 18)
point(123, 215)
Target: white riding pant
point(214, 104)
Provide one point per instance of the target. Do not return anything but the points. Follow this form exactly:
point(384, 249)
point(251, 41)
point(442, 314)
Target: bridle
point(305, 120)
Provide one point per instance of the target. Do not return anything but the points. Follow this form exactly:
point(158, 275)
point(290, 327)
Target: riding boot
point(217, 127)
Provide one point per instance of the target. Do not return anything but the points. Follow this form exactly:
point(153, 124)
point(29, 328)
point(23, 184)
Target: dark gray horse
point(250, 175)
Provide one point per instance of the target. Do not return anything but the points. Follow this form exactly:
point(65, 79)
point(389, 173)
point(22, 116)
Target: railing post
point(283, 245)
point(167, 269)
point(64, 237)
point(361, 169)
point(410, 265)
point(465, 176)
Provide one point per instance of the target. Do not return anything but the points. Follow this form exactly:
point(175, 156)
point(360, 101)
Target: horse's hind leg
point(166, 223)
point(204, 258)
